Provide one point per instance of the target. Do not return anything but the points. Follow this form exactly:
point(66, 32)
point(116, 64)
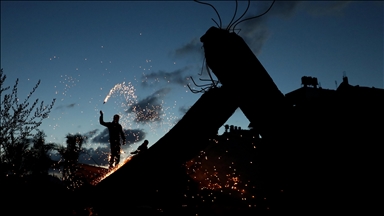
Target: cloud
point(193, 47)
point(177, 77)
point(150, 108)
point(131, 135)
point(321, 8)
point(91, 133)
point(283, 9)
point(184, 109)
point(98, 156)
point(255, 32)
point(66, 106)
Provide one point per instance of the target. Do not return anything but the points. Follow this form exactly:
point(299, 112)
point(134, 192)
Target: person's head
point(145, 142)
point(116, 118)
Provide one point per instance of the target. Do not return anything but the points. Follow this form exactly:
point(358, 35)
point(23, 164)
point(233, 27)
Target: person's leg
point(117, 155)
point(112, 158)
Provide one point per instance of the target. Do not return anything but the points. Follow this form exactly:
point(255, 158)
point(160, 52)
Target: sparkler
point(127, 90)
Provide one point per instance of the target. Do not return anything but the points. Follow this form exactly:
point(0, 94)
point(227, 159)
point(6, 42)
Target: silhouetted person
point(142, 148)
point(115, 132)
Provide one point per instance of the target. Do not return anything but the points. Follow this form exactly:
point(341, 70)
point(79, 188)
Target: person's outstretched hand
point(101, 112)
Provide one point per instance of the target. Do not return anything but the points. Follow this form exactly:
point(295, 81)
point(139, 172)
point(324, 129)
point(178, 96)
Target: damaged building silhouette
point(329, 156)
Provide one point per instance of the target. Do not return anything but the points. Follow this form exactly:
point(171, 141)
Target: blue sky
point(81, 50)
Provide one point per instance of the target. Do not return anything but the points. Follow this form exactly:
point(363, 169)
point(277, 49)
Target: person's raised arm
point(101, 120)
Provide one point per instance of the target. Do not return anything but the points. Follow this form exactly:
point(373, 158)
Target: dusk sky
point(143, 52)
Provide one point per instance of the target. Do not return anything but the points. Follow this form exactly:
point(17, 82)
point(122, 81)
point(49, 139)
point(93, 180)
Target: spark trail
point(127, 90)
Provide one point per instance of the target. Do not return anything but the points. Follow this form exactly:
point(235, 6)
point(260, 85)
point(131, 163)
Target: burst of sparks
point(110, 171)
point(127, 90)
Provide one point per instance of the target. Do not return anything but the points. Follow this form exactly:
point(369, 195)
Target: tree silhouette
point(18, 120)
point(38, 157)
point(70, 156)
